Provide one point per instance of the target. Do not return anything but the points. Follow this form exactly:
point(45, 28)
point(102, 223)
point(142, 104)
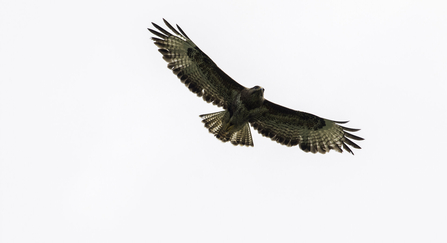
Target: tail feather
point(243, 136)
point(213, 121)
point(222, 131)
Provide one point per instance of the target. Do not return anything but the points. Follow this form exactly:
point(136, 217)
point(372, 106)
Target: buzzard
point(243, 106)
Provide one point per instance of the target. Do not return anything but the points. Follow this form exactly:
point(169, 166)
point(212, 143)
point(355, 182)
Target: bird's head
point(254, 97)
point(257, 91)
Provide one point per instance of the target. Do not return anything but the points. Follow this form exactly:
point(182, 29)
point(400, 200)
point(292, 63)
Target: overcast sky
point(100, 142)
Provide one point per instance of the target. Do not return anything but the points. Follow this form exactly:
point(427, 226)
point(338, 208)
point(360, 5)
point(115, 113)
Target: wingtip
point(341, 122)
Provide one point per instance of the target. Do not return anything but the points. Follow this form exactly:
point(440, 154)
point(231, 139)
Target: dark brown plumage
point(244, 106)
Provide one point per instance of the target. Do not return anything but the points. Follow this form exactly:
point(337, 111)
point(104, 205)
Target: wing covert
point(193, 67)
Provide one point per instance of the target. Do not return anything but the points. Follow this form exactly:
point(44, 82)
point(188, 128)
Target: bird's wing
point(193, 67)
point(310, 132)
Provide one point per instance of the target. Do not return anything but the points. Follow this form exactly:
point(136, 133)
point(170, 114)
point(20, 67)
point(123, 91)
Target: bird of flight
point(243, 106)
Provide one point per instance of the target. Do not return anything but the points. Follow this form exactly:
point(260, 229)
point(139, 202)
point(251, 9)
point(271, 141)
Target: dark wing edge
point(193, 67)
point(310, 132)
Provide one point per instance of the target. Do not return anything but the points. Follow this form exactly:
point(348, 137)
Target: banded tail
point(217, 125)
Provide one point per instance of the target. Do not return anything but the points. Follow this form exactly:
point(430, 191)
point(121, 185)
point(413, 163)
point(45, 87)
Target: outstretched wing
point(194, 68)
point(310, 132)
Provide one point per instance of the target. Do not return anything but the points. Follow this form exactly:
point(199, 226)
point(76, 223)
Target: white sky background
point(100, 142)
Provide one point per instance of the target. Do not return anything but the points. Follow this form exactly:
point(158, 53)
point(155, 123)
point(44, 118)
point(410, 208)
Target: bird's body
point(244, 106)
point(232, 124)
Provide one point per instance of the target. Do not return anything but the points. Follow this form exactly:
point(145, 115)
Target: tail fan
point(215, 124)
point(243, 136)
